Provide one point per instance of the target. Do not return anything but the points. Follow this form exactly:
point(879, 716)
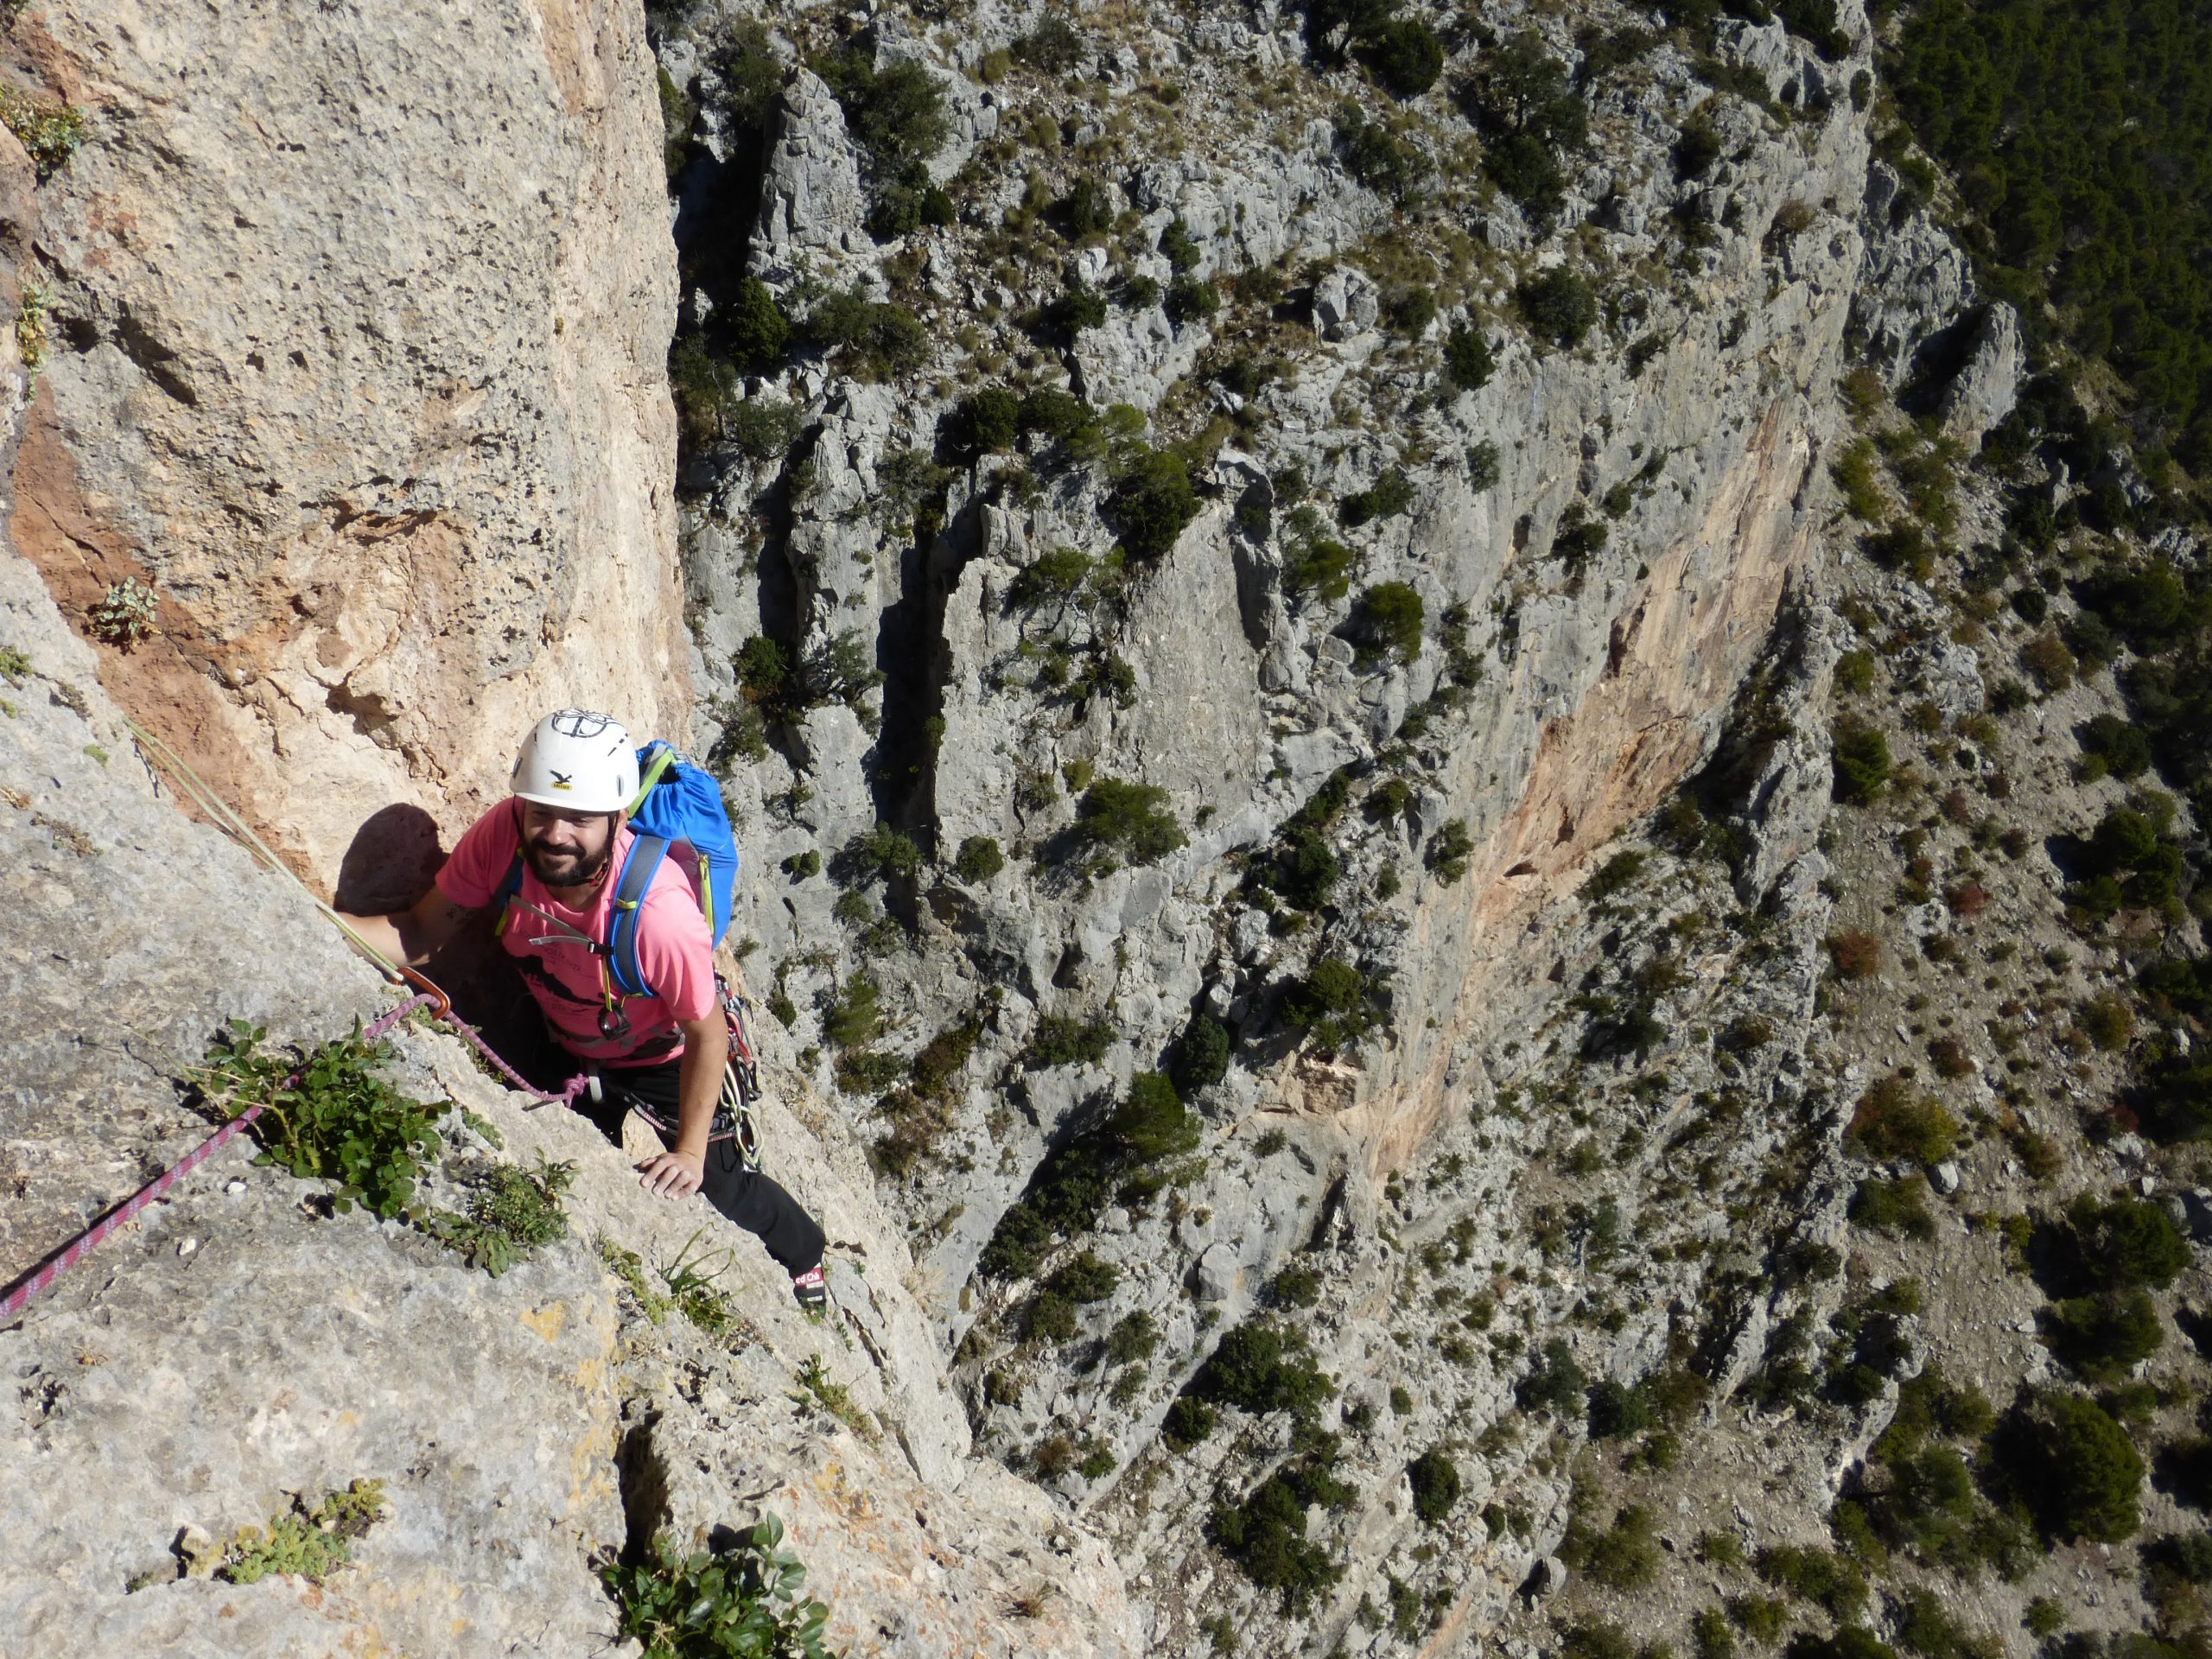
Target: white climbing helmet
point(578, 759)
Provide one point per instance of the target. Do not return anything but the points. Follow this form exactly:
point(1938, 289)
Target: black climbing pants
point(746, 1196)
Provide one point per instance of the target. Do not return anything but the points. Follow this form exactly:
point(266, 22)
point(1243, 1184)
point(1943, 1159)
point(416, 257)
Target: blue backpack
point(676, 802)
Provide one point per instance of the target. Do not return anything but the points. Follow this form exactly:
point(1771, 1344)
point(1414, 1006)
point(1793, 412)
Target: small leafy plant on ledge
point(311, 1543)
point(339, 1120)
point(747, 1601)
point(513, 1211)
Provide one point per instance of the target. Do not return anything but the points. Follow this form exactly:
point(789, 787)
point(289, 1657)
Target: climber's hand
point(672, 1174)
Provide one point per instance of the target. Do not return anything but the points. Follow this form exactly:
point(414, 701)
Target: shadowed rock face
point(359, 335)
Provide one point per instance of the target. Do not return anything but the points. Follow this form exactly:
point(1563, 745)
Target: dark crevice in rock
point(643, 1478)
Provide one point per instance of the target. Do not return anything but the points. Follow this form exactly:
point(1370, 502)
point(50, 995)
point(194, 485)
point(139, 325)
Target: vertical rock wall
point(359, 321)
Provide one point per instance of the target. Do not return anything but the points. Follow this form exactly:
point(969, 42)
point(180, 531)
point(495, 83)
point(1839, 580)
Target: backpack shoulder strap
point(640, 866)
point(510, 889)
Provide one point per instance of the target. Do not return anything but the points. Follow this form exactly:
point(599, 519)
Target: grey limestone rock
point(813, 212)
point(1916, 279)
point(1987, 384)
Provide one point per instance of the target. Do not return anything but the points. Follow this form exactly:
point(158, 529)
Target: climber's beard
point(559, 867)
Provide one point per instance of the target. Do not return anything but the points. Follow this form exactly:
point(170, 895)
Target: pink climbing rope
point(428, 995)
point(42, 1279)
point(443, 1010)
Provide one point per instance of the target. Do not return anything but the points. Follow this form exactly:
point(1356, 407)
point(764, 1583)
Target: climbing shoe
point(810, 1290)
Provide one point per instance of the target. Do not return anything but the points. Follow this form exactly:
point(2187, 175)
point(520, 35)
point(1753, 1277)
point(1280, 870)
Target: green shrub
point(1118, 1154)
point(1483, 468)
point(1468, 362)
point(1617, 874)
point(1202, 1055)
point(755, 331)
point(1064, 418)
point(1053, 48)
point(1405, 55)
point(988, 421)
point(761, 429)
point(1135, 1336)
point(1380, 159)
point(872, 340)
point(883, 854)
point(1152, 1122)
point(1085, 1278)
point(1555, 1382)
point(1710, 1634)
point(1579, 539)
point(1319, 570)
point(1625, 1556)
point(1152, 503)
point(2072, 1465)
point(1820, 1576)
point(854, 1018)
point(1529, 116)
point(1763, 1618)
point(1129, 819)
point(1388, 496)
point(1408, 312)
point(1388, 620)
point(896, 113)
point(1617, 1411)
point(1192, 299)
point(1089, 209)
point(1188, 1421)
point(1696, 149)
point(2123, 750)
point(1435, 1480)
point(1849, 1642)
point(1449, 850)
point(2104, 1335)
point(1053, 578)
point(1558, 305)
point(1260, 1367)
point(1062, 1039)
point(340, 1121)
point(1051, 1318)
point(2114, 1244)
point(978, 860)
point(1335, 1003)
point(1597, 1638)
point(742, 1599)
point(1898, 1207)
point(704, 387)
point(1264, 1535)
point(513, 1212)
point(1895, 1120)
point(1861, 762)
point(1180, 248)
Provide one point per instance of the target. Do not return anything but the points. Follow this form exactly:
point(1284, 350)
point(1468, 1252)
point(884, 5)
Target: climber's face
point(567, 849)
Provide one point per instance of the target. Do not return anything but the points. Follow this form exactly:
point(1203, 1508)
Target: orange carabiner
point(424, 984)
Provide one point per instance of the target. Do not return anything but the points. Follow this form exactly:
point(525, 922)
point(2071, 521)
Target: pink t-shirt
point(675, 950)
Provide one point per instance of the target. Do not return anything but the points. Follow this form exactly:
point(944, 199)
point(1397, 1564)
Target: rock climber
point(663, 1055)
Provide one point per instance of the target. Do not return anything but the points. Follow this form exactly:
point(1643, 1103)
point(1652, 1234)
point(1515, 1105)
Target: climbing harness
point(740, 1077)
point(734, 1121)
